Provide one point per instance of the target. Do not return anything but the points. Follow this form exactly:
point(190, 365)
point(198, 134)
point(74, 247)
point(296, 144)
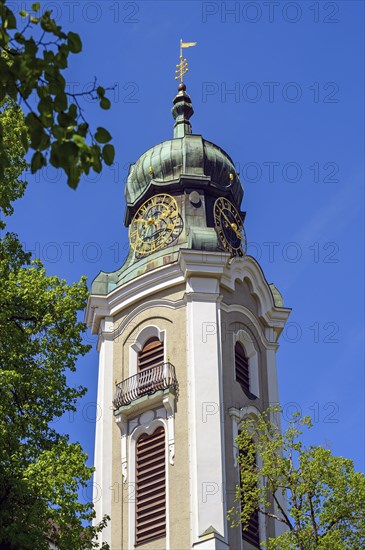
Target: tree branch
point(274, 516)
point(332, 523)
point(315, 528)
point(289, 523)
point(287, 520)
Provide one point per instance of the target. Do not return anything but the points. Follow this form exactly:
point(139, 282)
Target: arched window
point(242, 367)
point(150, 367)
point(151, 355)
point(150, 486)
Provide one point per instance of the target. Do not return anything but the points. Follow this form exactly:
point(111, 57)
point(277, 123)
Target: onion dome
point(186, 162)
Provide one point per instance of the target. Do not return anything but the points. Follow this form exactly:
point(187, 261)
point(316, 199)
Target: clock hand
point(231, 225)
point(165, 215)
point(162, 215)
point(151, 237)
point(238, 232)
point(225, 217)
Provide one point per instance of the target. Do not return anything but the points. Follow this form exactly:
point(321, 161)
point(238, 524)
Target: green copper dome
point(187, 161)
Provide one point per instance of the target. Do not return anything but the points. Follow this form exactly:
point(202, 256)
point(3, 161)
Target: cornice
point(255, 323)
point(131, 292)
point(203, 263)
point(148, 304)
point(192, 266)
point(248, 269)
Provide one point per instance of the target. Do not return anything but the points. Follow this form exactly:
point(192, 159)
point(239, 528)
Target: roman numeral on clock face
point(228, 225)
point(154, 224)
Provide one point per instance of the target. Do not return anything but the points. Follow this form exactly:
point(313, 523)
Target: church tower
point(188, 332)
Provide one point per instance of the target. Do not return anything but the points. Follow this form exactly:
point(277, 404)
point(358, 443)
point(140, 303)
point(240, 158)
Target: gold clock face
point(154, 224)
point(229, 227)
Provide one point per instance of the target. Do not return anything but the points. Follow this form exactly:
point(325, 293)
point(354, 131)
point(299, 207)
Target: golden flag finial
point(182, 67)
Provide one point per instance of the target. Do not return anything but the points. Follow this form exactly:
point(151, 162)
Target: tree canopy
point(41, 471)
point(12, 126)
point(324, 495)
point(34, 53)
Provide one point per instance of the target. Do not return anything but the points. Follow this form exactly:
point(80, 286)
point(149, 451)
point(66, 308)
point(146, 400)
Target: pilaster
point(102, 493)
point(205, 396)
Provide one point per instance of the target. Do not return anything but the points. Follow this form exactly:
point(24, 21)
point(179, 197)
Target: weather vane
point(182, 67)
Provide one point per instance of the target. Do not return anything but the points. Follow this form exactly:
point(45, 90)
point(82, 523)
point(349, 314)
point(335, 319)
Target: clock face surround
point(229, 227)
point(155, 224)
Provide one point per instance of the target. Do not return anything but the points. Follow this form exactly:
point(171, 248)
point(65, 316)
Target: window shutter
point(242, 368)
point(252, 534)
point(151, 355)
point(150, 486)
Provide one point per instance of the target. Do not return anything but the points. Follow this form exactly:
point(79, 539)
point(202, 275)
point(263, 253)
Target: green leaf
point(108, 154)
point(82, 129)
point(95, 161)
point(64, 119)
point(24, 139)
point(19, 38)
point(97, 165)
point(105, 103)
point(102, 135)
point(47, 119)
point(79, 140)
point(9, 19)
point(100, 91)
point(45, 105)
point(55, 157)
point(58, 132)
point(36, 6)
point(30, 47)
point(60, 102)
point(74, 42)
point(69, 118)
point(48, 24)
point(44, 142)
point(73, 176)
point(38, 138)
point(61, 58)
point(48, 56)
point(38, 160)
point(68, 151)
point(73, 111)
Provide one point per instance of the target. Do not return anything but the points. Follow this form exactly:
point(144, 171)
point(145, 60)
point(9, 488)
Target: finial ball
point(181, 87)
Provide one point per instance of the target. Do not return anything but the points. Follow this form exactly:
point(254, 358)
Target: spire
point(182, 111)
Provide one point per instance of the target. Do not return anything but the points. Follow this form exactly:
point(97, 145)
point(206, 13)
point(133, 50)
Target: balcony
point(146, 382)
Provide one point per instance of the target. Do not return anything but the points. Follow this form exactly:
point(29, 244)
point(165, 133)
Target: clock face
point(155, 224)
point(229, 227)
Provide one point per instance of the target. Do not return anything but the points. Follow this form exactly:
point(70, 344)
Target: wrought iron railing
point(146, 382)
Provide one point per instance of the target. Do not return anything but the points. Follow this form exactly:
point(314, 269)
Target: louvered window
point(242, 367)
point(151, 355)
point(251, 534)
point(150, 487)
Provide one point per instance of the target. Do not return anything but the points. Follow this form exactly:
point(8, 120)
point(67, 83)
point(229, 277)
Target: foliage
point(11, 128)
point(41, 472)
point(34, 53)
point(325, 496)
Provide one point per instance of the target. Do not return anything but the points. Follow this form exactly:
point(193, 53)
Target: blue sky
point(293, 124)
